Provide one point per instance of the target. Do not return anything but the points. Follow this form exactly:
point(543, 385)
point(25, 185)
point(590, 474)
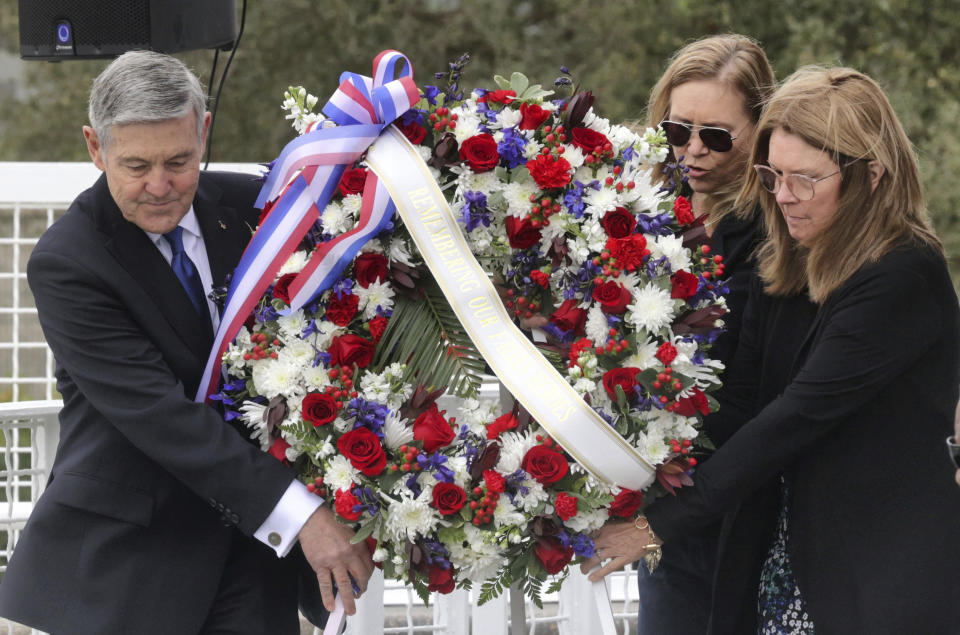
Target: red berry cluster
point(443, 119)
point(599, 154)
point(483, 503)
point(618, 185)
point(613, 344)
point(317, 487)
point(521, 306)
point(408, 460)
point(683, 449)
point(666, 383)
point(542, 210)
point(713, 267)
point(342, 388)
point(261, 348)
point(548, 442)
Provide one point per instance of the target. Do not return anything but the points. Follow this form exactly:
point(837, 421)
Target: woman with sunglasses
point(708, 102)
point(862, 538)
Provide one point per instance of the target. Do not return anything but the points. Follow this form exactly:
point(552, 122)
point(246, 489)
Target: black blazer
point(858, 430)
point(135, 524)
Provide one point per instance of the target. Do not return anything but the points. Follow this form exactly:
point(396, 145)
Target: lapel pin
point(222, 226)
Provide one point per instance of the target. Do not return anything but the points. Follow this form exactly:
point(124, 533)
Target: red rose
point(347, 350)
point(625, 377)
point(480, 152)
point(696, 402)
point(342, 308)
point(684, 283)
point(279, 450)
point(281, 287)
point(378, 326)
point(569, 317)
point(502, 96)
point(619, 223)
point(362, 448)
point(370, 267)
point(629, 251)
point(319, 408)
point(501, 424)
point(566, 506)
point(626, 503)
point(549, 171)
point(589, 140)
point(683, 210)
point(532, 116)
point(344, 502)
point(441, 580)
point(412, 131)
point(352, 181)
point(494, 481)
point(448, 498)
point(521, 233)
point(551, 552)
point(432, 428)
point(545, 464)
point(666, 353)
point(612, 296)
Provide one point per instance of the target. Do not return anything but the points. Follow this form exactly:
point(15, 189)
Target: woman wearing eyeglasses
point(862, 538)
point(708, 103)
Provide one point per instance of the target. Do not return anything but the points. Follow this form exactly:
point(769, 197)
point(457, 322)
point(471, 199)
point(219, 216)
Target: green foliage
point(908, 46)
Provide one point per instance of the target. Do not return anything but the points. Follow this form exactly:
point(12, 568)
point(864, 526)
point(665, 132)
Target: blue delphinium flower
point(511, 148)
point(475, 212)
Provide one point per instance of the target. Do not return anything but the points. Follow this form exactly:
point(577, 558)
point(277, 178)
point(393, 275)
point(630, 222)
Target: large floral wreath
point(568, 216)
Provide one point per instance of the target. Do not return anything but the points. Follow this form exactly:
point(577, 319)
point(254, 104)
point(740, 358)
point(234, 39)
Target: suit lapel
point(225, 235)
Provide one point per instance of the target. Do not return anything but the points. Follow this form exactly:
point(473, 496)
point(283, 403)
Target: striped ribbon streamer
point(300, 184)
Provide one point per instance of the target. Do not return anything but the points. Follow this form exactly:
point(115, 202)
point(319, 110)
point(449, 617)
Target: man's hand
point(326, 544)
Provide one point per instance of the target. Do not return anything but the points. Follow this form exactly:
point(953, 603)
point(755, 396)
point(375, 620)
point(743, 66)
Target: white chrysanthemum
point(485, 182)
point(597, 328)
point(253, 419)
point(653, 448)
point(515, 447)
point(274, 377)
point(601, 201)
point(335, 219)
point(474, 558)
point(530, 495)
point(292, 325)
point(294, 264)
point(508, 118)
point(652, 308)
point(379, 295)
point(594, 233)
point(646, 195)
point(351, 205)
point(575, 157)
point(315, 378)
point(595, 122)
point(621, 138)
point(297, 352)
point(644, 356)
point(410, 518)
point(461, 475)
point(517, 197)
point(532, 149)
point(396, 431)
point(587, 521)
point(505, 514)
point(672, 247)
point(468, 122)
point(553, 230)
point(340, 474)
point(400, 252)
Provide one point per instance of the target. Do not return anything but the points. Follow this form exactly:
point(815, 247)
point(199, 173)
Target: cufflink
point(274, 539)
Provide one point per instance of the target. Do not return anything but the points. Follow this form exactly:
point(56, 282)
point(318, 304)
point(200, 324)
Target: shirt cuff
point(279, 531)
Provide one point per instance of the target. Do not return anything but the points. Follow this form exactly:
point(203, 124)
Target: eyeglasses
point(954, 450)
point(678, 134)
point(800, 185)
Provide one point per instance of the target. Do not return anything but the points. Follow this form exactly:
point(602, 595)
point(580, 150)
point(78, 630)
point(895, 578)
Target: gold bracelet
point(654, 552)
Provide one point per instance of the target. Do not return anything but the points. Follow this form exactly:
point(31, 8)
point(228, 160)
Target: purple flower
point(475, 211)
point(430, 92)
point(511, 148)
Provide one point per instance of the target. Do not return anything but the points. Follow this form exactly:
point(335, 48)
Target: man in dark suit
point(159, 517)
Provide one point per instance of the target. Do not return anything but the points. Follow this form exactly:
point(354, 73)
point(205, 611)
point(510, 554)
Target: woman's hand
point(621, 543)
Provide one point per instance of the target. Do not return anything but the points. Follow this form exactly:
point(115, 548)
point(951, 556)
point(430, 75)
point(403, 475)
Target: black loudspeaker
point(83, 29)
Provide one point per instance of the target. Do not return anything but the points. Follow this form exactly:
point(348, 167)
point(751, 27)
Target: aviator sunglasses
point(716, 139)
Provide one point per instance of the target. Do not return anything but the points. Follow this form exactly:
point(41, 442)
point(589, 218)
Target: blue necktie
point(187, 273)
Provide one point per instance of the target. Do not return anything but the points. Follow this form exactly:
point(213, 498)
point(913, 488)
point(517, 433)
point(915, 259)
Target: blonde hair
point(846, 114)
point(734, 59)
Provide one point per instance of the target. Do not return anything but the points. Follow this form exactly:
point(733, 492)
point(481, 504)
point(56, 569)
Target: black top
point(858, 429)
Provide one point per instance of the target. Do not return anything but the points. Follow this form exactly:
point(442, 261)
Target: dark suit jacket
point(858, 430)
point(134, 527)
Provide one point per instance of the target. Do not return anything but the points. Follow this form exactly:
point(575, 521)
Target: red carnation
point(626, 503)
point(566, 506)
point(545, 464)
point(279, 450)
point(625, 377)
point(521, 233)
point(370, 267)
point(281, 288)
point(342, 308)
point(575, 349)
point(629, 251)
point(502, 96)
point(362, 448)
point(684, 284)
point(569, 317)
point(501, 424)
point(378, 326)
point(612, 296)
point(552, 554)
point(532, 116)
point(540, 278)
point(549, 171)
point(494, 481)
point(589, 140)
point(448, 498)
point(347, 350)
point(344, 502)
point(666, 353)
point(480, 152)
point(619, 223)
point(683, 210)
point(352, 181)
point(432, 428)
point(319, 408)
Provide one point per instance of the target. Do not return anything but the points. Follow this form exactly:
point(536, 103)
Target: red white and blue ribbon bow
point(300, 184)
